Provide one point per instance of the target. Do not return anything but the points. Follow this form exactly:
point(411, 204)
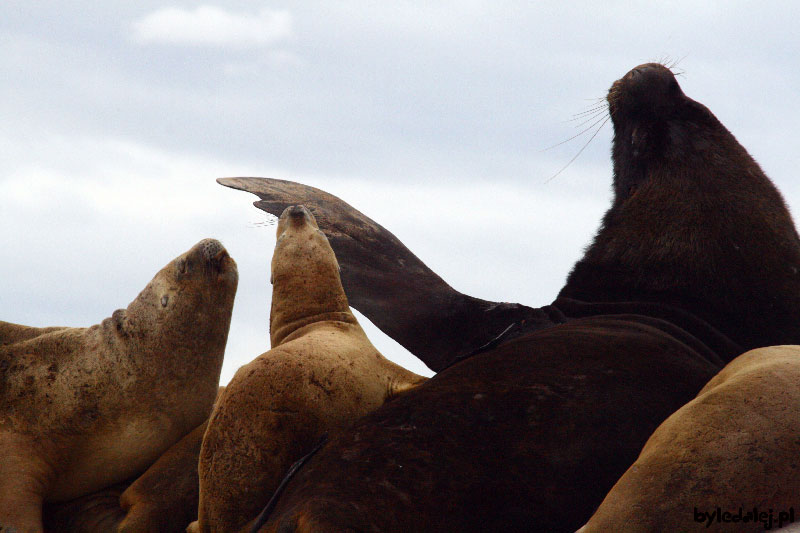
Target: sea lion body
point(321, 373)
point(698, 245)
point(85, 408)
point(734, 445)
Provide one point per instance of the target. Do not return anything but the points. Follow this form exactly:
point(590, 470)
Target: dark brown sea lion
point(86, 408)
point(734, 446)
point(321, 373)
point(695, 262)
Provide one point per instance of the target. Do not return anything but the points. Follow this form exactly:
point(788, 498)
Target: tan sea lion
point(321, 373)
point(85, 408)
point(735, 446)
point(696, 261)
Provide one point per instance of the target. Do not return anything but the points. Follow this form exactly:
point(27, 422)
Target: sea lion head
point(305, 274)
point(185, 310)
point(656, 126)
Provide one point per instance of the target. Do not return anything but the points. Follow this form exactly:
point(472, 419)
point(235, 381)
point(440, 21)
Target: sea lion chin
point(85, 408)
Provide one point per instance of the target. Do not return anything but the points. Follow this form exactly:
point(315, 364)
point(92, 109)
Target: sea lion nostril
point(297, 211)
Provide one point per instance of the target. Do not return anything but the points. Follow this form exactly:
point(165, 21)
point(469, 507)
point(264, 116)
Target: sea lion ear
point(271, 278)
point(118, 319)
point(181, 266)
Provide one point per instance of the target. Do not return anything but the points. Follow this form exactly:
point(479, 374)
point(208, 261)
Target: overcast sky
point(430, 117)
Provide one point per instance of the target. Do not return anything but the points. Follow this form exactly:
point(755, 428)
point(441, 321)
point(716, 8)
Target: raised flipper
point(389, 284)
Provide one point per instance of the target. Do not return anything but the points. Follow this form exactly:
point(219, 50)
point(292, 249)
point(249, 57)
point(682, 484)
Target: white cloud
point(213, 26)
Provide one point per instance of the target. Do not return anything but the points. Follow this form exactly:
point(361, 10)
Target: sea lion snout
point(211, 248)
point(296, 217)
point(208, 256)
point(648, 88)
point(297, 211)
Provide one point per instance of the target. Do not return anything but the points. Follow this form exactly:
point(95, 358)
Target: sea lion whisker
point(596, 122)
point(554, 176)
point(589, 111)
point(598, 102)
point(584, 118)
point(592, 118)
point(673, 65)
point(263, 223)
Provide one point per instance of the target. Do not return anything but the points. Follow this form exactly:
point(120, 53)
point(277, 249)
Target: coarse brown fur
point(321, 373)
point(85, 408)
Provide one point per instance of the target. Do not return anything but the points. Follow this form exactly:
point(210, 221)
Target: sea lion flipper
point(95, 512)
point(164, 498)
point(386, 282)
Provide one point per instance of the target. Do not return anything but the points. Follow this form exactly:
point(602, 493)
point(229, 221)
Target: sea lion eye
point(164, 300)
point(181, 266)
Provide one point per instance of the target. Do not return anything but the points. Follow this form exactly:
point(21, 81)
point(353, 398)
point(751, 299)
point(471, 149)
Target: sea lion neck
point(306, 285)
point(695, 223)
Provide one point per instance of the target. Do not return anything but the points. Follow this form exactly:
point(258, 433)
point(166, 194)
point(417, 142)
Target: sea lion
point(695, 262)
point(321, 373)
point(734, 446)
point(85, 408)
